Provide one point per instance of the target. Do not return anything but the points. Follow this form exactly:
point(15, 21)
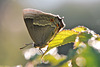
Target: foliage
point(84, 54)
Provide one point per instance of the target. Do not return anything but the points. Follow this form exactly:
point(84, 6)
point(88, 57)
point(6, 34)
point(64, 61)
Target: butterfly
point(42, 26)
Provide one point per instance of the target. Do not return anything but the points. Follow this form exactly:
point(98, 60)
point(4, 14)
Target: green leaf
point(92, 57)
point(84, 37)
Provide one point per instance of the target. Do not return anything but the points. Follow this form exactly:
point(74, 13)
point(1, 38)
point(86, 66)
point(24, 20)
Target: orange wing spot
point(52, 20)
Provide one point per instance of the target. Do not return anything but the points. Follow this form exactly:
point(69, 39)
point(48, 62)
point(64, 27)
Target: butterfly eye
point(52, 20)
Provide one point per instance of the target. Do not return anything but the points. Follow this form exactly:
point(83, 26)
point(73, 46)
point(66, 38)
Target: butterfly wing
point(40, 28)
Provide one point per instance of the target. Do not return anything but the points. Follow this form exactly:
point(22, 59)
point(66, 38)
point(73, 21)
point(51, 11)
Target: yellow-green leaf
point(80, 29)
point(63, 37)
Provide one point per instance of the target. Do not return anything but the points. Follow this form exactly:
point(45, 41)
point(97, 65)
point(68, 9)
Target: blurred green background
point(13, 33)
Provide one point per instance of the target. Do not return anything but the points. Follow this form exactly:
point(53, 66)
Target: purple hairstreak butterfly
point(42, 26)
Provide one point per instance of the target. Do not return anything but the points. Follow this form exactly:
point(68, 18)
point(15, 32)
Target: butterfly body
point(42, 26)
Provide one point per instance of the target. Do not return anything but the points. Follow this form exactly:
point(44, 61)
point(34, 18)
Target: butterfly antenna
point(26, 45)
